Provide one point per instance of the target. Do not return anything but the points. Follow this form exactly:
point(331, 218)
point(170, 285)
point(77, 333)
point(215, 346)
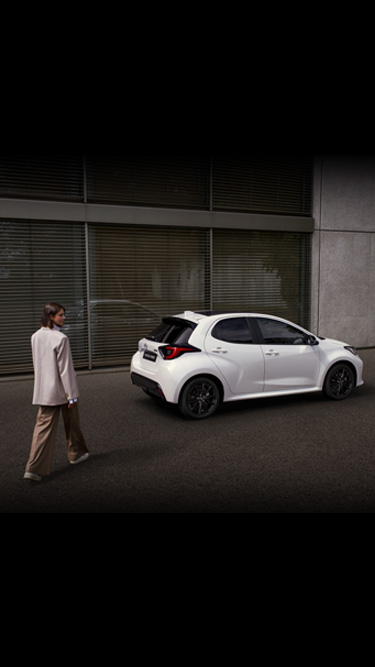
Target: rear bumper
point(147, 385)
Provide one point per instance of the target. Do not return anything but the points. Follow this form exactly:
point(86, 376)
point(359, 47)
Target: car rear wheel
point(200, 398)
point(339, 382)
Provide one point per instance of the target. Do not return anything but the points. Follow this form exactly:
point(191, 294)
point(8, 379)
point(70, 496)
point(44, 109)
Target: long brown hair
point(50, 309)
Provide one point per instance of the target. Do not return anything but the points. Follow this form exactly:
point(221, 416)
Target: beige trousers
point(42, 446)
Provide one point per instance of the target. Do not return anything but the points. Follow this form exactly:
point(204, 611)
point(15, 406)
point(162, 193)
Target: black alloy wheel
point(200, 398)
point(339, 382)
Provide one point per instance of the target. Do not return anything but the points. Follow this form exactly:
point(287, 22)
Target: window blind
point(137, 276)
point(265, 184)
point(162, 181)
point(263, 272)
point(40, 262)
point(268, 184)
point(48, 177)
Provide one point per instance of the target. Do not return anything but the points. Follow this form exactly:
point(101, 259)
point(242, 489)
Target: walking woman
point(55, 389)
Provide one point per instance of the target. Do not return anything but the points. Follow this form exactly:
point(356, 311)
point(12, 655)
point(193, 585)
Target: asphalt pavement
point(301, 454)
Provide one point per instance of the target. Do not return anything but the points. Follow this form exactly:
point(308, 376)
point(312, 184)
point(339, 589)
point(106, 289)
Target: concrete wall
point(343, 253)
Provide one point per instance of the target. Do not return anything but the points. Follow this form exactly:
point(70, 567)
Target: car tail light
point(169, 352)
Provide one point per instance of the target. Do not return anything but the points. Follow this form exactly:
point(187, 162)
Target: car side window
point(236, 330)
point(281, 333)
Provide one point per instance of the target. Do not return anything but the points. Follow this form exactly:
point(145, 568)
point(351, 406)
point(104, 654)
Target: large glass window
point(57, 177)
point(262, 272)
point(40, 262)
point(146, 180)
point(137, 276)
point(262, 183)
point(280, 184)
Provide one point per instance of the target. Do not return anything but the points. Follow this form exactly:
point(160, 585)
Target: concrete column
point(343, 252)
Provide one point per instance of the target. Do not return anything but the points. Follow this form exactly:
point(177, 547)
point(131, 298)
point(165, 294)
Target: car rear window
point(172, 332)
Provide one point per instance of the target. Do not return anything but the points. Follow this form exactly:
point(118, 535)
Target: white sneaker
point(33, 476)
point(84, 457)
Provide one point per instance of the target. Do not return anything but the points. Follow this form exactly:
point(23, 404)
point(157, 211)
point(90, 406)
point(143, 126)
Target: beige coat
point(55, 378)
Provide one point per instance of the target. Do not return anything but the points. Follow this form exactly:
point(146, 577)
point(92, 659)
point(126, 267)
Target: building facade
point(121, 241)
point(343, 248)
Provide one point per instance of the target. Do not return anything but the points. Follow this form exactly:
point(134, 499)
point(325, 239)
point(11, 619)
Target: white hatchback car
point(198, 360)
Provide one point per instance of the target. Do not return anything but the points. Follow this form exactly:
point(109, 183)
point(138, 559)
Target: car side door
point(231, 345)
point(291, 361)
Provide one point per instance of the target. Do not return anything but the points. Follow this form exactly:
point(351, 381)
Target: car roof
point(196, 317)
point(208, 317)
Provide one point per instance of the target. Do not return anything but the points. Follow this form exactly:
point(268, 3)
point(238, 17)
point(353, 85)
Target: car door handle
point(219, 350)
point(271, 353)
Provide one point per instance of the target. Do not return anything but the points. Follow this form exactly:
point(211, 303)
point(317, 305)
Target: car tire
point(200, 398)
point(340, 382)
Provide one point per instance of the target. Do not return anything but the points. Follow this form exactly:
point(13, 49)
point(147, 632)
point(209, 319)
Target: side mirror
point(311, 340)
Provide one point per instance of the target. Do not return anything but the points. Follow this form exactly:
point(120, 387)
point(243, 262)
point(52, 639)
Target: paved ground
point(303, 454)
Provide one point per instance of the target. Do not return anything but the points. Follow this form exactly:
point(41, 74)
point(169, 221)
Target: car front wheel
point(339, 382)
point(200, 398)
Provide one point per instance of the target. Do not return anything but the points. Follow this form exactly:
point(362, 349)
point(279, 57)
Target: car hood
point(333, 341)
